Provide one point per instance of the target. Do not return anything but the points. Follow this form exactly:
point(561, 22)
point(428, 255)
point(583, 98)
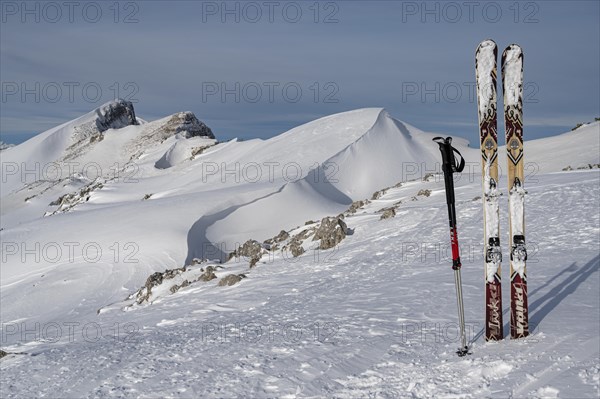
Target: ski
point(512, 85)
point(485, 69)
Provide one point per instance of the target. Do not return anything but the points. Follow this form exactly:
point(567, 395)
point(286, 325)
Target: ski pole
point(449, 166)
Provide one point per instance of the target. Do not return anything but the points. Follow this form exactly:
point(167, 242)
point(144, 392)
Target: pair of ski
point(512, 86)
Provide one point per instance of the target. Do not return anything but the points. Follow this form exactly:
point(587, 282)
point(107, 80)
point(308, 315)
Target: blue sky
point(256, 69)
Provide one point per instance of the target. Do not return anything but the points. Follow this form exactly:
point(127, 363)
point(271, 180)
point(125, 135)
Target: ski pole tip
point(463, 351)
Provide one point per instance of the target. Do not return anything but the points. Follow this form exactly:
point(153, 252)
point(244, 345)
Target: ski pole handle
point(446, 150)
point(449, 162)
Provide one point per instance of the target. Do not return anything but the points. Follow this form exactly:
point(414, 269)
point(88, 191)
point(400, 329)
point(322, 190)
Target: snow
point(5, 146)
point(372, 317)
point(516, 204)
point(491, 204)
point(181, 151)
point(486, 88)
point(512, 70)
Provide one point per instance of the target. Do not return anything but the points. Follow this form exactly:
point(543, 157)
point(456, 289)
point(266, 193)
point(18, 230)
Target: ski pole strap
point(461, 163)
point(448, 158)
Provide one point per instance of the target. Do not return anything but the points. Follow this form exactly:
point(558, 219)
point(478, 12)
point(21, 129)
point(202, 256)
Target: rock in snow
point(4, 146)
point(387, 213)
point(187, 123)
point(231, 279)
point(331, 232)
point(251, 249)
point(115, 115)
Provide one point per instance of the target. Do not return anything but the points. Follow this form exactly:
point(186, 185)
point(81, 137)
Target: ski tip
point(512, 48)
point(512, 54)
point(486, 43)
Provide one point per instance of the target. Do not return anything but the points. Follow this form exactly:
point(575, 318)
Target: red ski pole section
point(455, 252)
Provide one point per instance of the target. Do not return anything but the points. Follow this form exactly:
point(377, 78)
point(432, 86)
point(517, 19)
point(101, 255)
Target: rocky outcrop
point(251, 249)
point(428, 177)
point(294, 245)
point(387, 213)
point(115, 115)
point(589, 166)
point(2, 353)
point(296, 248)
point(4, 146)
point(331, 232)
point(156, 279)
point(356, 205)
point(170, 281)
point(183, 123)
point(424, 193)
point(187, 123)
point(378, 194)
point(230, 279)
point(282, 236)
point(199, 150)
point(68, 201)
point(209, 274)
point(271, 243)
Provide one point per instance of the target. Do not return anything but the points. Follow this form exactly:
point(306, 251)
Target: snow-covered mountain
point(357, 304)
point(4, 146)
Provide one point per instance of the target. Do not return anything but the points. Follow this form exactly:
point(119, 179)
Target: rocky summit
point(188, 123)
point(115, 115)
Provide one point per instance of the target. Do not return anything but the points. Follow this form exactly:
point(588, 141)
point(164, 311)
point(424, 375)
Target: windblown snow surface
point(374, 316)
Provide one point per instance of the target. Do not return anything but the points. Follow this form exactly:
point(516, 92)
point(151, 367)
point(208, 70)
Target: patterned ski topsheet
point(512, 85)
point(486, 76)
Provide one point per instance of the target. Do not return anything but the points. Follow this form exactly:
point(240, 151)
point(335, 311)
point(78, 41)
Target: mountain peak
point(115, 115)
point(187, 122)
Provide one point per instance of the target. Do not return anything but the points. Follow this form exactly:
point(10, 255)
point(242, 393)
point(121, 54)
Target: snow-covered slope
point(165, 197)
